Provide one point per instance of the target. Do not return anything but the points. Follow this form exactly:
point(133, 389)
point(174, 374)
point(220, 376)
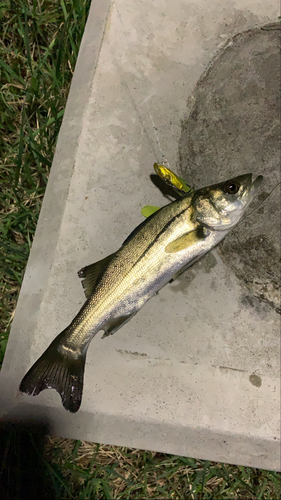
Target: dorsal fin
point(92, 273)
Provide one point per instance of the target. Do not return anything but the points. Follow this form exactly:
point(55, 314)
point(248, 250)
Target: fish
point(117, 287)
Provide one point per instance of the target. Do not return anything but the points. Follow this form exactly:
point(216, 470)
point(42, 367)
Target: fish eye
point(231, 187)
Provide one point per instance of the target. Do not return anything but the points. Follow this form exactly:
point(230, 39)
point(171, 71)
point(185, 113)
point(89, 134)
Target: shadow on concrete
point(24, 471)
point(166, 190)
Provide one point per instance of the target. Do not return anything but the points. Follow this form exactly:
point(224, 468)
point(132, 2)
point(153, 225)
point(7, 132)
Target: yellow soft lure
point(171, 179)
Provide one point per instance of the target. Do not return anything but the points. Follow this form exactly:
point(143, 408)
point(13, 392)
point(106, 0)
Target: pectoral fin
point(187, 240)
point(114, 324)
point(92, 273)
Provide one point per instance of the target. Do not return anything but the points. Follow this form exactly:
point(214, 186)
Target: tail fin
point(56, 370)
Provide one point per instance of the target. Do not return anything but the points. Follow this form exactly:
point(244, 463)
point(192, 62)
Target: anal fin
point(114, 324)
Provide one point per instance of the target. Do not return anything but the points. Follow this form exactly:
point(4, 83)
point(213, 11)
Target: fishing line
point(257, 208)
point(164, 158)
point(135, 105)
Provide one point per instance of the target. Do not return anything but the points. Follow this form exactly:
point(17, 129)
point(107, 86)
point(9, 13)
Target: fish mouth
point(255, 185)
point(250, 187)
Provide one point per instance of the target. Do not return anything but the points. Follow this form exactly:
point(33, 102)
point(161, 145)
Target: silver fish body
point(156, 252)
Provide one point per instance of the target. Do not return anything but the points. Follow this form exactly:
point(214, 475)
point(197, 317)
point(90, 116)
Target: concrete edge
point(114, 430)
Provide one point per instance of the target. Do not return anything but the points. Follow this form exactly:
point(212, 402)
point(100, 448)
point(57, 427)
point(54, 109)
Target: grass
point(39, 45)
point(95, 471)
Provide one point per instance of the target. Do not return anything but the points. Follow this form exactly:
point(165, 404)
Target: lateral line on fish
point(162, 231)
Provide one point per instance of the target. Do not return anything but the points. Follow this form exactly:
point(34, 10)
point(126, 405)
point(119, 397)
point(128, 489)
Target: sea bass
point(116, 287)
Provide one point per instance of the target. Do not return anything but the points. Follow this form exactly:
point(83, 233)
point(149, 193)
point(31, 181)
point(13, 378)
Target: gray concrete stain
point(233, 126)
point(135, 354)
point(206, 264)
point(255, 380)
point(154, 360)
point(181, 284)
point(250, 301)
point(231, 369)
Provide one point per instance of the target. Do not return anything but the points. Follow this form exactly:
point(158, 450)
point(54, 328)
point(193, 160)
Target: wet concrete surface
point(233, 126)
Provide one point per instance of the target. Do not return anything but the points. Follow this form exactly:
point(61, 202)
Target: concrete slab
point(196, 372)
